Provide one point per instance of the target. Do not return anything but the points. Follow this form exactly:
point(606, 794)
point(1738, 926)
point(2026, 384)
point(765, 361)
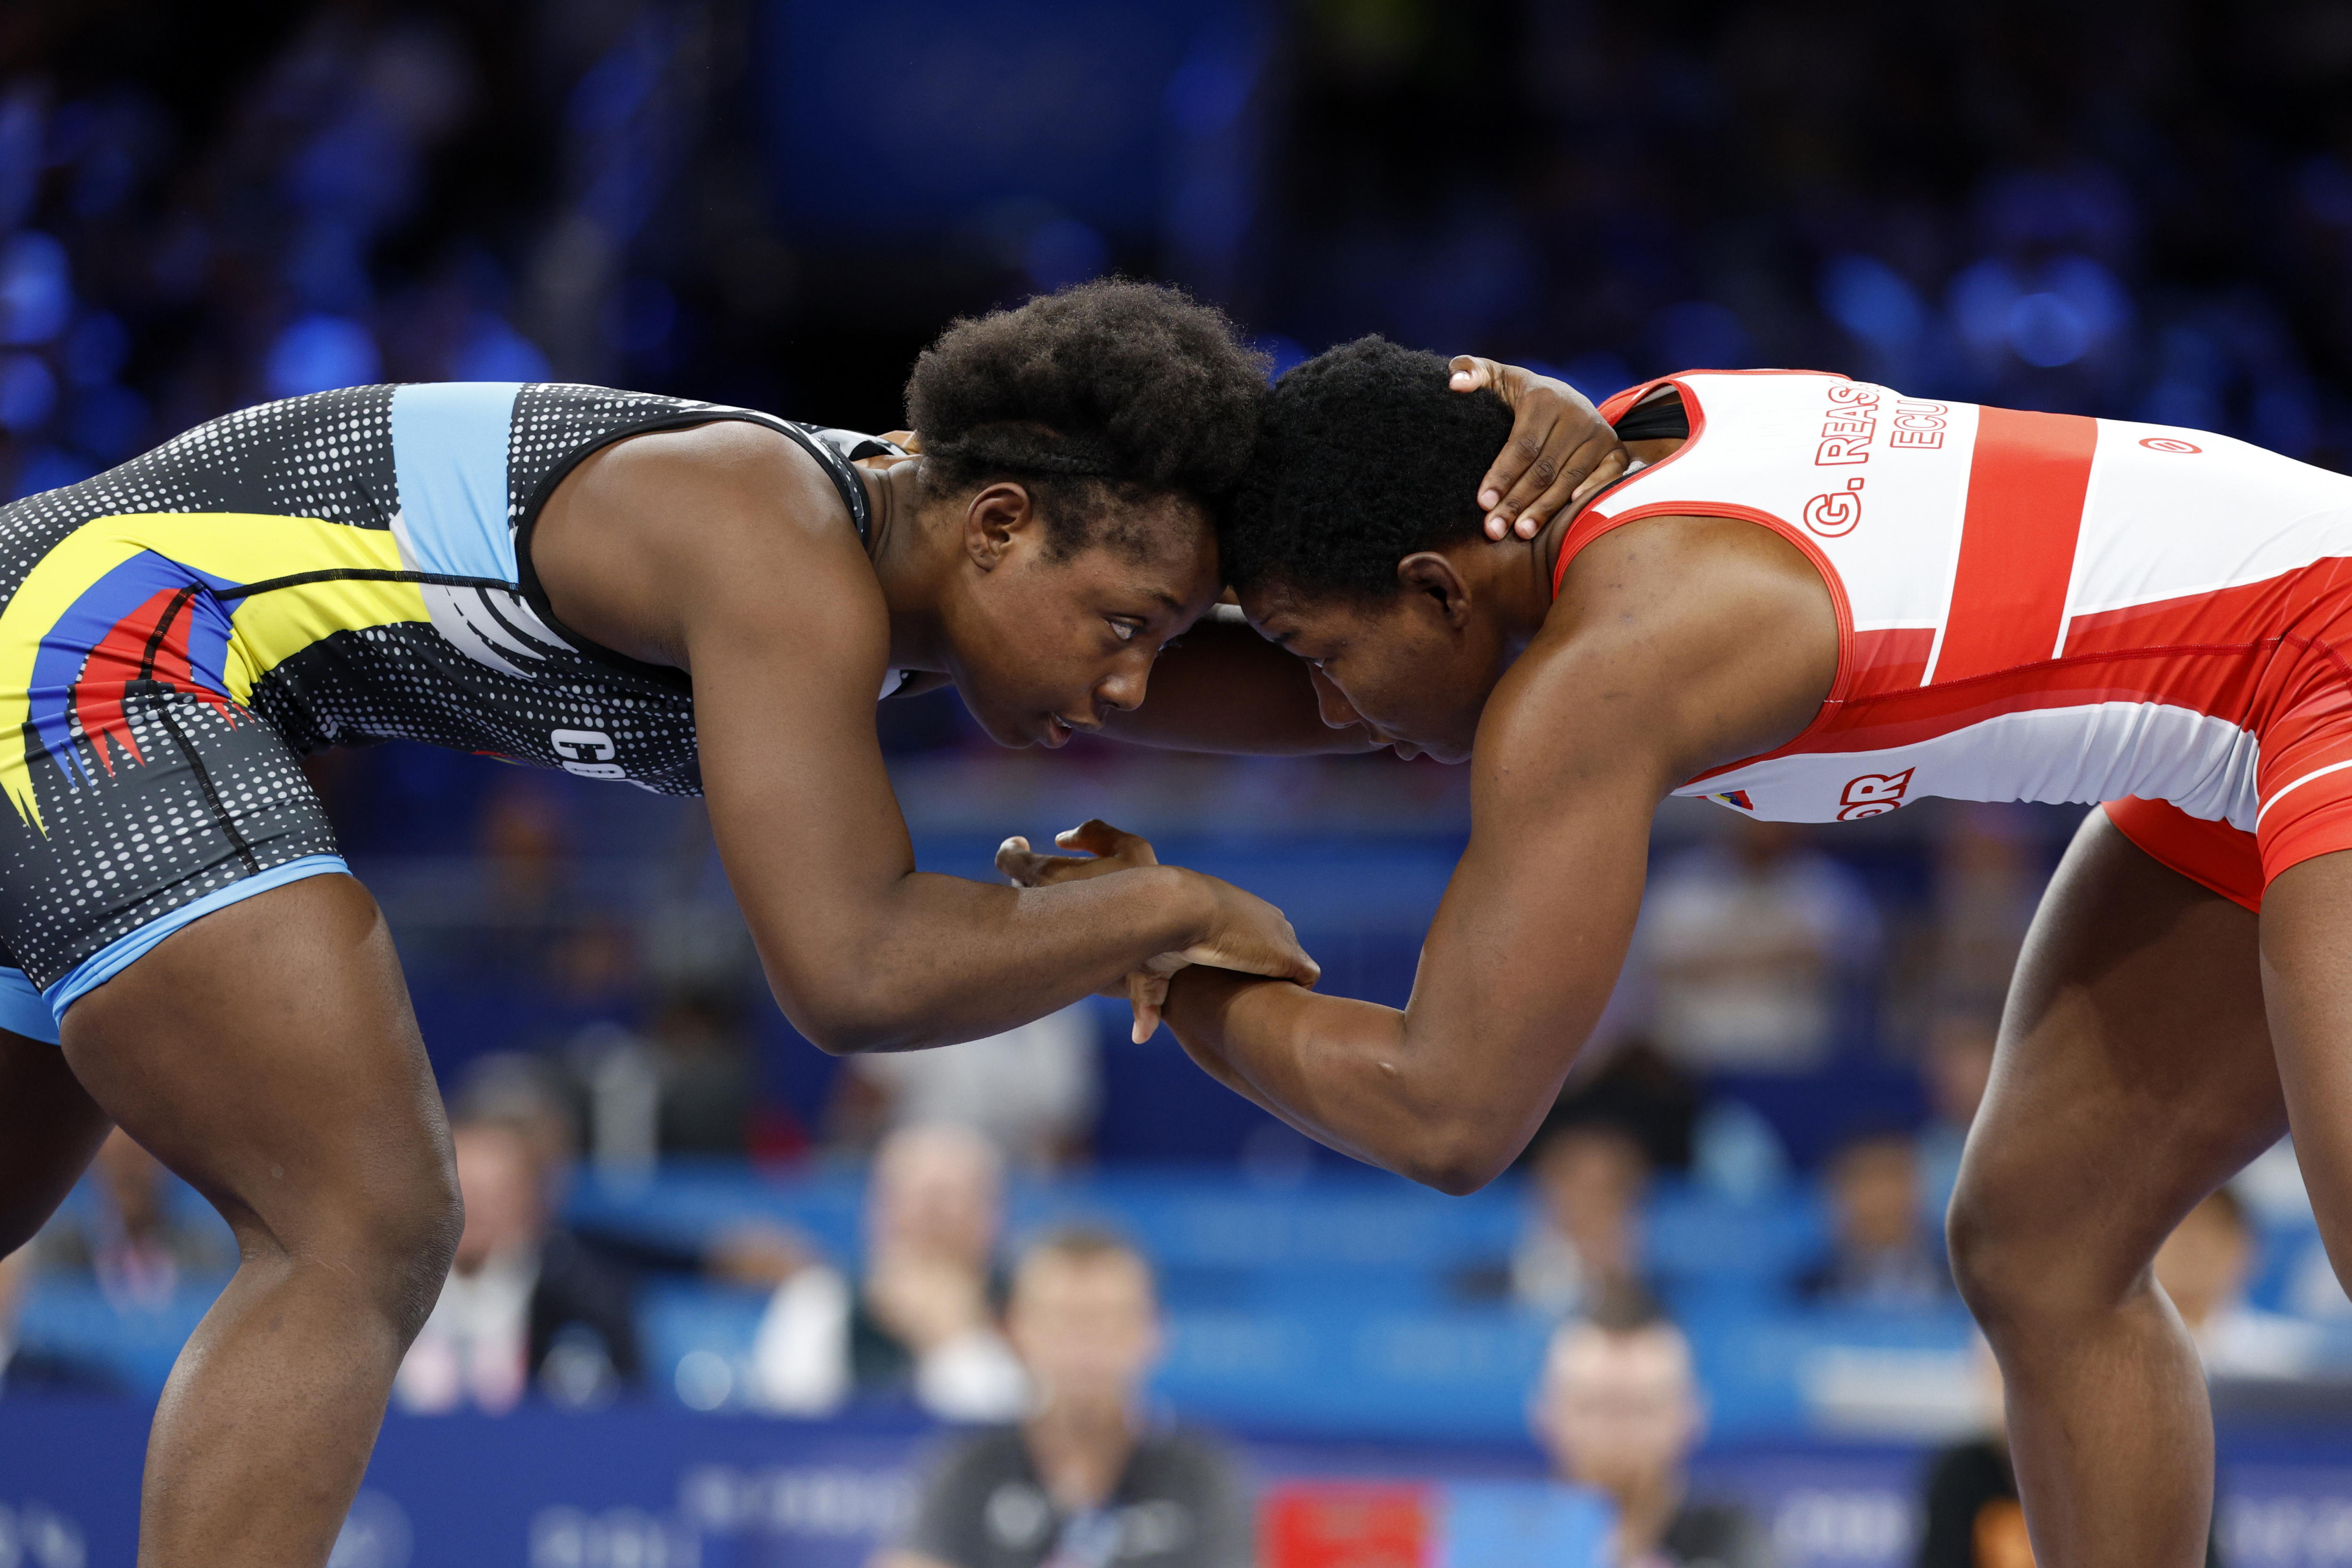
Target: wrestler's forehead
point(1301, 622)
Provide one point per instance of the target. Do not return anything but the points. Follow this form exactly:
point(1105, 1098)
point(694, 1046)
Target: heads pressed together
point(1109, 457)
point(1080, 447)
point(1356, 542)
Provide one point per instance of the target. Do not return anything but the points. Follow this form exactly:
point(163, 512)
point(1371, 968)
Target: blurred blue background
point(2140, 210)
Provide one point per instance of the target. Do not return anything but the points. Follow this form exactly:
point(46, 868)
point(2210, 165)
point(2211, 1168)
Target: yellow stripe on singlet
point(241, 547)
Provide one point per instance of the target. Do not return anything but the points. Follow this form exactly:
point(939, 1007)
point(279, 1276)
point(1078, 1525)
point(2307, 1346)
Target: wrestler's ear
point(1431, 576)
point(996, 517)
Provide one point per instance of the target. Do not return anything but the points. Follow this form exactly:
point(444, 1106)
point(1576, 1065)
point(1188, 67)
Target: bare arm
point(768, 601)
point(1696, 641)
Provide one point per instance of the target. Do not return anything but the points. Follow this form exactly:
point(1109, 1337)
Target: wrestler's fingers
point(1608, 471)
point(1471, 373)
point(1596, 464)
point(1097, 837)
point(1027, 868)
point(1147, 995)
point(1528, 465)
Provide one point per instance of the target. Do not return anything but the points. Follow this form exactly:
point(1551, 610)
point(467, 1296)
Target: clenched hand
point(1247, 934)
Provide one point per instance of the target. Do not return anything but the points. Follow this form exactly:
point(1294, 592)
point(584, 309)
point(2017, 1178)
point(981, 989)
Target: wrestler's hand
point(1560, 453)
point(1244, 931)
point(1104, 849)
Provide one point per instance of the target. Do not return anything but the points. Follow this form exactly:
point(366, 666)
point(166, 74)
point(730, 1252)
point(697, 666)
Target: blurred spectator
point(1988, 882)
point(1632, 1084)
point(923, 1321)
point(1582, 1246)
point(1754, 942)
point(127, 1236)
point(703, 1060)
point(2203, 1266)
point(526, 1305)
point(531, 915)
point(1958, 1065)
point(30, 1369)
point(524, 846)
point(1083, 1480)
point(685, 1087)
point(1619, 1411)
point(1970, 1517)
point(530, 1093)
point(1736, 1153)
point(1880, 1252)
point(592, 964)
point(1031, 1091)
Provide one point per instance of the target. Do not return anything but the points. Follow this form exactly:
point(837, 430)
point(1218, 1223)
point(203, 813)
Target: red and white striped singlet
point(2039, 606)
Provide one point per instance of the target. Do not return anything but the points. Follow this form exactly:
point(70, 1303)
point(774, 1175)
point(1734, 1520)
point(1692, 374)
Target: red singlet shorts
point(2234, 863)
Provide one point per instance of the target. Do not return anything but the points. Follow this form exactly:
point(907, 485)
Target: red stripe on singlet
point(2027, 479)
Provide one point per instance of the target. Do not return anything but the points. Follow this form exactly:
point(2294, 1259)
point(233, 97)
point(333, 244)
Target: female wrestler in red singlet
point(1822, 600)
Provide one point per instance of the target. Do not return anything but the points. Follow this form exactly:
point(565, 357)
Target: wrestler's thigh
point(2306, 959)
point(2134, 1075)
point(268, 1053)
point(49, 1128)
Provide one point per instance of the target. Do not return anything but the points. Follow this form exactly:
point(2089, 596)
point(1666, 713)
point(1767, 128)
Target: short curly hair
point(1098, 397)
point(1365, 454)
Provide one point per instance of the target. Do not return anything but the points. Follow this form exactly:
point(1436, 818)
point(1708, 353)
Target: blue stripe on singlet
point(119, 955)
point(450, 457)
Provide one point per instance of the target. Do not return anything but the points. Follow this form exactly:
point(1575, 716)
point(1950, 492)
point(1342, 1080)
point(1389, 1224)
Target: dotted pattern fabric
point(220, 795)
point(214, 801)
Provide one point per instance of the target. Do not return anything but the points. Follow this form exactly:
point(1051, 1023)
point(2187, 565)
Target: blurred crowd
point(2107, 208)
point(2139, 210)
point(1036, 1351)
point(2097, 206)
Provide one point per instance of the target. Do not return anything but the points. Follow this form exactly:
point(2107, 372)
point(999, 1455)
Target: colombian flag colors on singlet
point(201, 602)
point(341, 568)
point(350, 565)
point(2033, 606)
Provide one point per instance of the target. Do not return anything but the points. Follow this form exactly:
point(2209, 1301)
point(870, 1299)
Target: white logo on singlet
point(588, 752)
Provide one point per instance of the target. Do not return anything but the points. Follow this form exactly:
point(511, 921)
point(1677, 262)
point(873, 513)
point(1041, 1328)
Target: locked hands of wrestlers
point(1248, 934)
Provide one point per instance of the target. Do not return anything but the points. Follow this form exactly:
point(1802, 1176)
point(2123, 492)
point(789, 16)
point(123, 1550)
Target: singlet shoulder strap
point(838, 452)
point(1660, 417)
point(833, 449)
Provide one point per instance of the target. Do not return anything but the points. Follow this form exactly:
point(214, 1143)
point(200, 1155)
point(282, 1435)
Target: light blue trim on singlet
point(450, 458)
point(22, 1011)
point(119, 955)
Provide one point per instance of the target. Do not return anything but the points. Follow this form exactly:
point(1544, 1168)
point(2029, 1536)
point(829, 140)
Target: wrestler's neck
point(915, 550)
point(1513, 578)
point(1548, 543)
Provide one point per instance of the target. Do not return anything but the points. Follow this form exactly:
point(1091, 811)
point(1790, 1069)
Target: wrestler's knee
point(2028, 1259)
point(383, 1245)
point(431, 1217)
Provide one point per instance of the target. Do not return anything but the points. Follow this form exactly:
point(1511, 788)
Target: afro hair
point(1098, 397)
point(1365, 454)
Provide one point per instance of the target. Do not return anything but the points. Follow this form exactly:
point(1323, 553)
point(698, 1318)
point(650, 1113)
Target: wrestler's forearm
point(925, 960)
point(1344, 1072)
